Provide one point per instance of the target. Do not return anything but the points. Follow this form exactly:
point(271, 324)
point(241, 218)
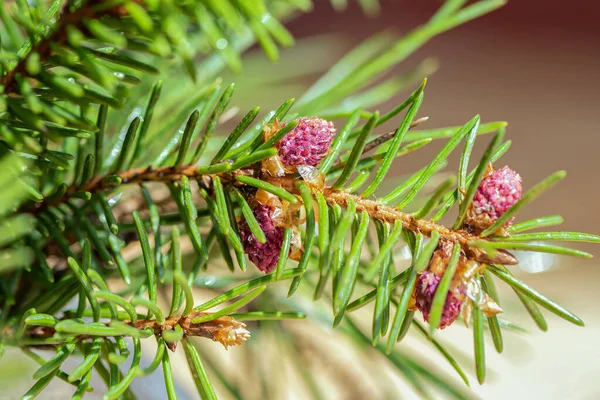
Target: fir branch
point(375, 209)
point(225, 329)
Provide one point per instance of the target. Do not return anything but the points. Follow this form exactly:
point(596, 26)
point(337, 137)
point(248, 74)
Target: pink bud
point(496, 193)
point(426, 285)
point(264, 255)
point(308, 143)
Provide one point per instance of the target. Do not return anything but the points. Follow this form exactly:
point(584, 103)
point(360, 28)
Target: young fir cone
point(498, 191)
point(464, 291)
point(264, 255)
point(308, 143)
point(428, 282)
point(272, 216)
point(304, 146)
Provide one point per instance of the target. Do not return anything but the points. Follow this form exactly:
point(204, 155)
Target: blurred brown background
point(535, 64)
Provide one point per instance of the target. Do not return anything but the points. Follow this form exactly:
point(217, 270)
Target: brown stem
point(375, 209)
point(138, 175)
point(383, 212)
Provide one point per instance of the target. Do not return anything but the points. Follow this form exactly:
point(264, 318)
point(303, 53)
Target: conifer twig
point(226, 330)
point(375, 209)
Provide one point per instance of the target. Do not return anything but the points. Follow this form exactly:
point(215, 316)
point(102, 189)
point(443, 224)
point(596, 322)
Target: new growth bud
point(426, 287)
point(264, 255)
point(497, 192)
point(308, 143)
point(428, 282)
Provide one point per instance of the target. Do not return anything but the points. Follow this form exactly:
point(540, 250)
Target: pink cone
point(308, 143)
point(426, 285)
point(264, 255)
point(496, 193)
